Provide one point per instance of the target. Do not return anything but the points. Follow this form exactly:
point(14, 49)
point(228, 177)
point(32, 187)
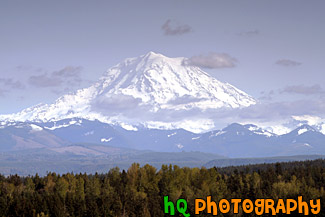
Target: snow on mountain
point(106, 140)
point(148, 84)
point(259, 131)
point(62, 125)
point(322, 128)
point(167, 83)
point(278, 129)
point(303, 129)
point(36, 127)
point(195, 126)
point(316, 122)
point(235, 140)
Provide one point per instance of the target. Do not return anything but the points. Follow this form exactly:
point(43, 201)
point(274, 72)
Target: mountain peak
point(152, 57)
point(151, 54)
point(303, 129)
point(306, 126)
point(151, 60)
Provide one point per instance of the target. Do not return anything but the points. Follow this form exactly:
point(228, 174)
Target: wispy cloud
point(44, 80)
point(68, 72)
point(69, 76)
point(185, 99)
point(8, 85)
point(11, 83)
point(267, 95)
point(116, 103)
point(172, 28)
point(212, 61)
point(287, 63)
point(126, 106)
point(281, 110)
point(302, 89)
point(299, 91)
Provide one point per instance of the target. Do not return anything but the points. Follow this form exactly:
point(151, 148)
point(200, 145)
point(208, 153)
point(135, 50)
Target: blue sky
point(275, 49)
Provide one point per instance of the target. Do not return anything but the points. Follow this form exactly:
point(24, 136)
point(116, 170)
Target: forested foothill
point(139, 191)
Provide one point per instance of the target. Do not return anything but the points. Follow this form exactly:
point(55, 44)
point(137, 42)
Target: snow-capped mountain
point(168, 83)
point(150, 84)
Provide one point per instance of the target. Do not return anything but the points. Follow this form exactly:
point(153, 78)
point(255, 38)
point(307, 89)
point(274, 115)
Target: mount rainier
point(152, 90)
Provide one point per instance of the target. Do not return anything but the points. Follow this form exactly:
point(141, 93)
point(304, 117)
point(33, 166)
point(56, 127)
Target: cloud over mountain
point(212, 61)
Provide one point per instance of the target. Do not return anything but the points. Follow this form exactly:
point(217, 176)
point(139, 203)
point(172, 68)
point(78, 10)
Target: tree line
point(140, 191)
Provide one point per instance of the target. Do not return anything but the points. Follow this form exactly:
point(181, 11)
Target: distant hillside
point(249, 161)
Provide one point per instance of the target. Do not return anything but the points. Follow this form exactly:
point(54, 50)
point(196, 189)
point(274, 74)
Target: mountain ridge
point(235, 140)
